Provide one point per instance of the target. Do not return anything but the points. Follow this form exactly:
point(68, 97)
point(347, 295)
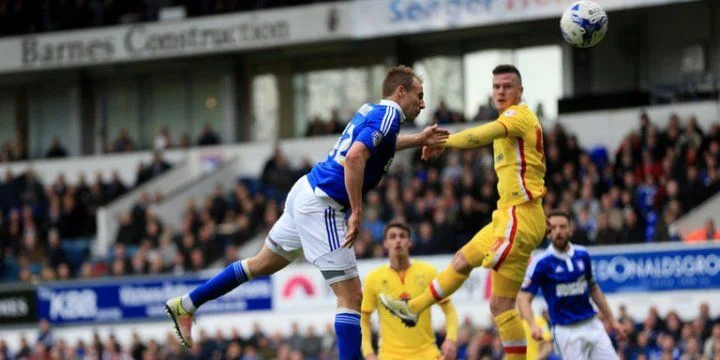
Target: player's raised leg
point(182, 308)
point(447, 282)
point(280, 249)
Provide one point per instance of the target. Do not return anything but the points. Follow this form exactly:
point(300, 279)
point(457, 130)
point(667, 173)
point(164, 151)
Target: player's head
point(507, 87)
point(404, 86)
point(560, 229)
point(396, 238)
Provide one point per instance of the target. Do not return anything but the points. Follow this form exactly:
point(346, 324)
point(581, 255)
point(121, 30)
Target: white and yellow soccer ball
point(584, 24)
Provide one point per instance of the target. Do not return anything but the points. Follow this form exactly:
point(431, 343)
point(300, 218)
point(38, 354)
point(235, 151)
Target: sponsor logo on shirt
point(572, 289)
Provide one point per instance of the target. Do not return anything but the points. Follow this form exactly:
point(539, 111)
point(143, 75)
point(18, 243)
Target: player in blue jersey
point(564, 274)
point(324, 208)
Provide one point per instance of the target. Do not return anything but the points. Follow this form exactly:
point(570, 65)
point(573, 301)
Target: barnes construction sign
point(225, 33)
point(347, 20)
point(140, 41)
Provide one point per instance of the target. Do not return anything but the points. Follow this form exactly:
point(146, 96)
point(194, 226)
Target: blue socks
point(349, 336)
point(227, 280)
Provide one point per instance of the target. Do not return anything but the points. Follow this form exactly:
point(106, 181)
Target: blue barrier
point(139, 299)
point(650, 268)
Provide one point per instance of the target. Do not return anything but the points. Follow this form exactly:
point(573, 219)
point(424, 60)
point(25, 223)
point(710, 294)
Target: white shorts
point(314, 223)
point(586, 340)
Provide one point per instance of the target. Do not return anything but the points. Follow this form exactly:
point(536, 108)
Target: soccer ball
point(584, 24)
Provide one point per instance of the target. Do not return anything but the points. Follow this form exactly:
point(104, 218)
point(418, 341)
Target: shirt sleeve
point(376, 127)
point(589, 275)
point(369, 301)
point(515, 121)
point(533, 278)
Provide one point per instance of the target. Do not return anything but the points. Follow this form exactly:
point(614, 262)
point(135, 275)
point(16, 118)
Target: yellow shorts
point(505, 245)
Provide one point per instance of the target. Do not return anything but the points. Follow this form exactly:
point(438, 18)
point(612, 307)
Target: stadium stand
point(654, 177)
point(183, 114)
point(23, 17)
point(656, 336)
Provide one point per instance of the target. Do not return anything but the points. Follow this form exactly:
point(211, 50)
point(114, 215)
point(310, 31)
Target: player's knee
point(356, 297)
point(499, 305)
point(266, 263)
point(460, 263)
point(350, 299)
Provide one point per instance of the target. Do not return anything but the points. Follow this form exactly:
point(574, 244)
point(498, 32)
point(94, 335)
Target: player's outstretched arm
point(468, 139)
point(430, 136)
point(449, 346)
point(524, 299)
point(598, 298)
point(477, 136)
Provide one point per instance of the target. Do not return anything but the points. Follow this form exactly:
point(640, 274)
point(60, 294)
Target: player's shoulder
point(382, 110)
point(519, 111)
point(384, 114)
point(423, 266)
point(376, 273)
point(581, 250)
point(366, 109)
point(539, 259)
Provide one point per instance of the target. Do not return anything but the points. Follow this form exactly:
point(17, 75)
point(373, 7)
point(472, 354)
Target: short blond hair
point(400, 75)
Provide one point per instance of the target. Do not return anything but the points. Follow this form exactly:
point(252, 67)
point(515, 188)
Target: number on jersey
point(340, 149)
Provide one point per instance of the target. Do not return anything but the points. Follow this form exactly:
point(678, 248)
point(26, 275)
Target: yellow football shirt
point(533, 346)
point(519, 157)
point(397, 341)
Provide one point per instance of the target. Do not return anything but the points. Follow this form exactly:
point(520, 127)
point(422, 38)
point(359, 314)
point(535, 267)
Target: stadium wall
point(648, 47)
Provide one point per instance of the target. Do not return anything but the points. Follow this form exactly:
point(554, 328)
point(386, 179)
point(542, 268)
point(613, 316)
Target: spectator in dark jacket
point(208, 137)
point(56, 150)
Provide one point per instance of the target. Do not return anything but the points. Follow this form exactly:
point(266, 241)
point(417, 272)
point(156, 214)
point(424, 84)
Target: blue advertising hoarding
point(652, 267)
point(135, 299)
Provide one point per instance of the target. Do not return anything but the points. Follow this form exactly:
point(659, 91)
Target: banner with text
point(373, 18)
point(618, 269)
point(359, 19)
point(139, 299)
point(221, 33)
point(18, 306)
point(687, 267)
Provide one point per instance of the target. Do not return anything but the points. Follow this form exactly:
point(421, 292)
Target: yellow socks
point(512, 335)
point(443, 286)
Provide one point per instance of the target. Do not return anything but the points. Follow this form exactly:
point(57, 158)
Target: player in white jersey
point(564, 274)
point(324, 208)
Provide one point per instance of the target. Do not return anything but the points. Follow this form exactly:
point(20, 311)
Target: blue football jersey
point(375, 125)
point(565, 280)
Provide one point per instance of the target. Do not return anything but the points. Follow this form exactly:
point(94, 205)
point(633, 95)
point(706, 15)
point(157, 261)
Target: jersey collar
point(563, 255)
point(386, 102)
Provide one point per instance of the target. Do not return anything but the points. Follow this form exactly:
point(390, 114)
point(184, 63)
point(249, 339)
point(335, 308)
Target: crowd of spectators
point(19, 17)
point(654, 177)
point(14, 151)
point(164, 140)
point(654, 337)
point(39, 222)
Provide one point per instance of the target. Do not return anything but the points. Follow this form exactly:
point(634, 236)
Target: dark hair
point(561, 213)
point(396, 224)
point(397, 76)
point(507, 69)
